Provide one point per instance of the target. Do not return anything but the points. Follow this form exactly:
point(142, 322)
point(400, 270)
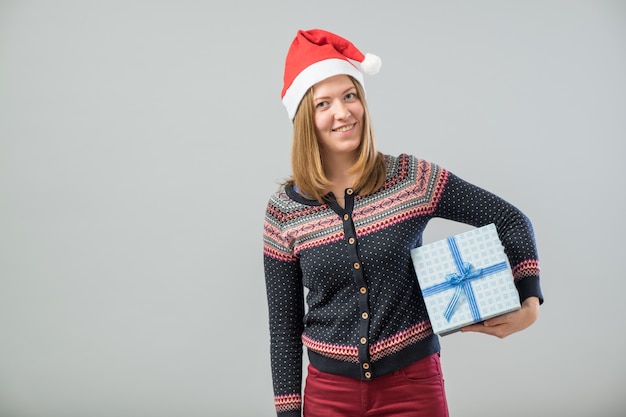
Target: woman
point(342, 227)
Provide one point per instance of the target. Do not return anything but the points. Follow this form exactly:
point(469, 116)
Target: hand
point(509, 323)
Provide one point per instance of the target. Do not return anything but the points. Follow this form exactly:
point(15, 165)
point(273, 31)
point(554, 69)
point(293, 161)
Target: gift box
point(465, 279)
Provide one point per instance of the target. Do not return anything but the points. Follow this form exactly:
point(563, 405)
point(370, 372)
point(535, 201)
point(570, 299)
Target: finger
point(475, 328)
point(496, 321)
point(500, 331)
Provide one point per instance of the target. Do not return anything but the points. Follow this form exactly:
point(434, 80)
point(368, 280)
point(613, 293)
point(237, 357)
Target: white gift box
point(465, 279)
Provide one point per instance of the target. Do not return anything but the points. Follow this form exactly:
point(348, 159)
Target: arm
point(507, 324)
point(285, 297)
point(467, 203)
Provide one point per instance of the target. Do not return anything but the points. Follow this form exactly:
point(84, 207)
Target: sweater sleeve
point(285, 296)
point(464, 202)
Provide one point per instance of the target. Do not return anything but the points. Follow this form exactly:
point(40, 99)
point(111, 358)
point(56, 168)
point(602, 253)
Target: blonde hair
point(306, 158)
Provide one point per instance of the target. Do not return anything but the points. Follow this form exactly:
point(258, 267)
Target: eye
point(350, 96)
point(321, 105)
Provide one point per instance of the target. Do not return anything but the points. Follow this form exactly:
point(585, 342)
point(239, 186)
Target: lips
point(344, 128)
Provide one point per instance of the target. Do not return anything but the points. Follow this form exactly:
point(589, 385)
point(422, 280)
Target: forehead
point(337, 83)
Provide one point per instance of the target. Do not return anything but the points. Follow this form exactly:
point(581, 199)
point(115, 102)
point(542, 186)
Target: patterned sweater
point(365, 315)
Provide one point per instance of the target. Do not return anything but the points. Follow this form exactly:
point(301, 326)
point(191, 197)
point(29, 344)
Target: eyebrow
point(325, 97)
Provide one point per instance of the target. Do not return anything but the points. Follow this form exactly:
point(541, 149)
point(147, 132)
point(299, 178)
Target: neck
point(336, 168)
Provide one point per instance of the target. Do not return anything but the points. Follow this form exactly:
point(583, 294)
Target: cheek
point(321, 122)
point(359, 112)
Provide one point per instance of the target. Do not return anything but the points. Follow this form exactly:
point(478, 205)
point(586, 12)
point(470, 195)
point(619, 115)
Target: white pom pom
point(371, 64)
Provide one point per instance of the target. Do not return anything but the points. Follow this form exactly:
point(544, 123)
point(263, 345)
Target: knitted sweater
point(366, 316)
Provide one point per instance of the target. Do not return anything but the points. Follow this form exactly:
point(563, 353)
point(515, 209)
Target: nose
point(342, 112)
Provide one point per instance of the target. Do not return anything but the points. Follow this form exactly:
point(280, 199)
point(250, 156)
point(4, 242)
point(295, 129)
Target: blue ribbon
point(460, 281)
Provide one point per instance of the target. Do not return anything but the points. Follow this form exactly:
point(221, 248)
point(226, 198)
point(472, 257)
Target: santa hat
point(315, 55)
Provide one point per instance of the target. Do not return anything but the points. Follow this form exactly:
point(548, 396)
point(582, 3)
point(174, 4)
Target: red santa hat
point(315, 55)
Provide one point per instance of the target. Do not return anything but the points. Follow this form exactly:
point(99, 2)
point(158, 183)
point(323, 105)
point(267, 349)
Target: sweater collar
point(293, 193)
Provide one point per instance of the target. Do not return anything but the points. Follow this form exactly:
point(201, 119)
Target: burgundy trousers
point(415, 391)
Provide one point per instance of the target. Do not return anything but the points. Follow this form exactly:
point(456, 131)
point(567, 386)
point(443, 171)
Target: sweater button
point(364, 316)
point(346, 217)
point(362, 290)
point(366, 365)
point(357, 265)
point(363, 340)
point(351, 241)
point(368, 375)
point(349, 191)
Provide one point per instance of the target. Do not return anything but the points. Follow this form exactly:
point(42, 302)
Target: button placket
point(360, 285)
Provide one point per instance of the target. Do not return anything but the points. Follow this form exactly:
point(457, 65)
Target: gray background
point(140, 141)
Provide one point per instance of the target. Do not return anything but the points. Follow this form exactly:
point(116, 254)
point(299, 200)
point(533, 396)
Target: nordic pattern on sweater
point(366, 316)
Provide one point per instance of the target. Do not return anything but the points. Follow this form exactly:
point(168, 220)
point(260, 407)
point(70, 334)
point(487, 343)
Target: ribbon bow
point(460, 281)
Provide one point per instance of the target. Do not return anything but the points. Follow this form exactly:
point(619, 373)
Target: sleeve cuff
point(529, 287)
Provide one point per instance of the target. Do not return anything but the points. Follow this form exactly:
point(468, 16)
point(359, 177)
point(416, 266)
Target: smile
point(344, 128)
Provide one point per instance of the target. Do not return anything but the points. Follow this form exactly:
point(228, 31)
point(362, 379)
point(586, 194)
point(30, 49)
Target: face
point(338, 115)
